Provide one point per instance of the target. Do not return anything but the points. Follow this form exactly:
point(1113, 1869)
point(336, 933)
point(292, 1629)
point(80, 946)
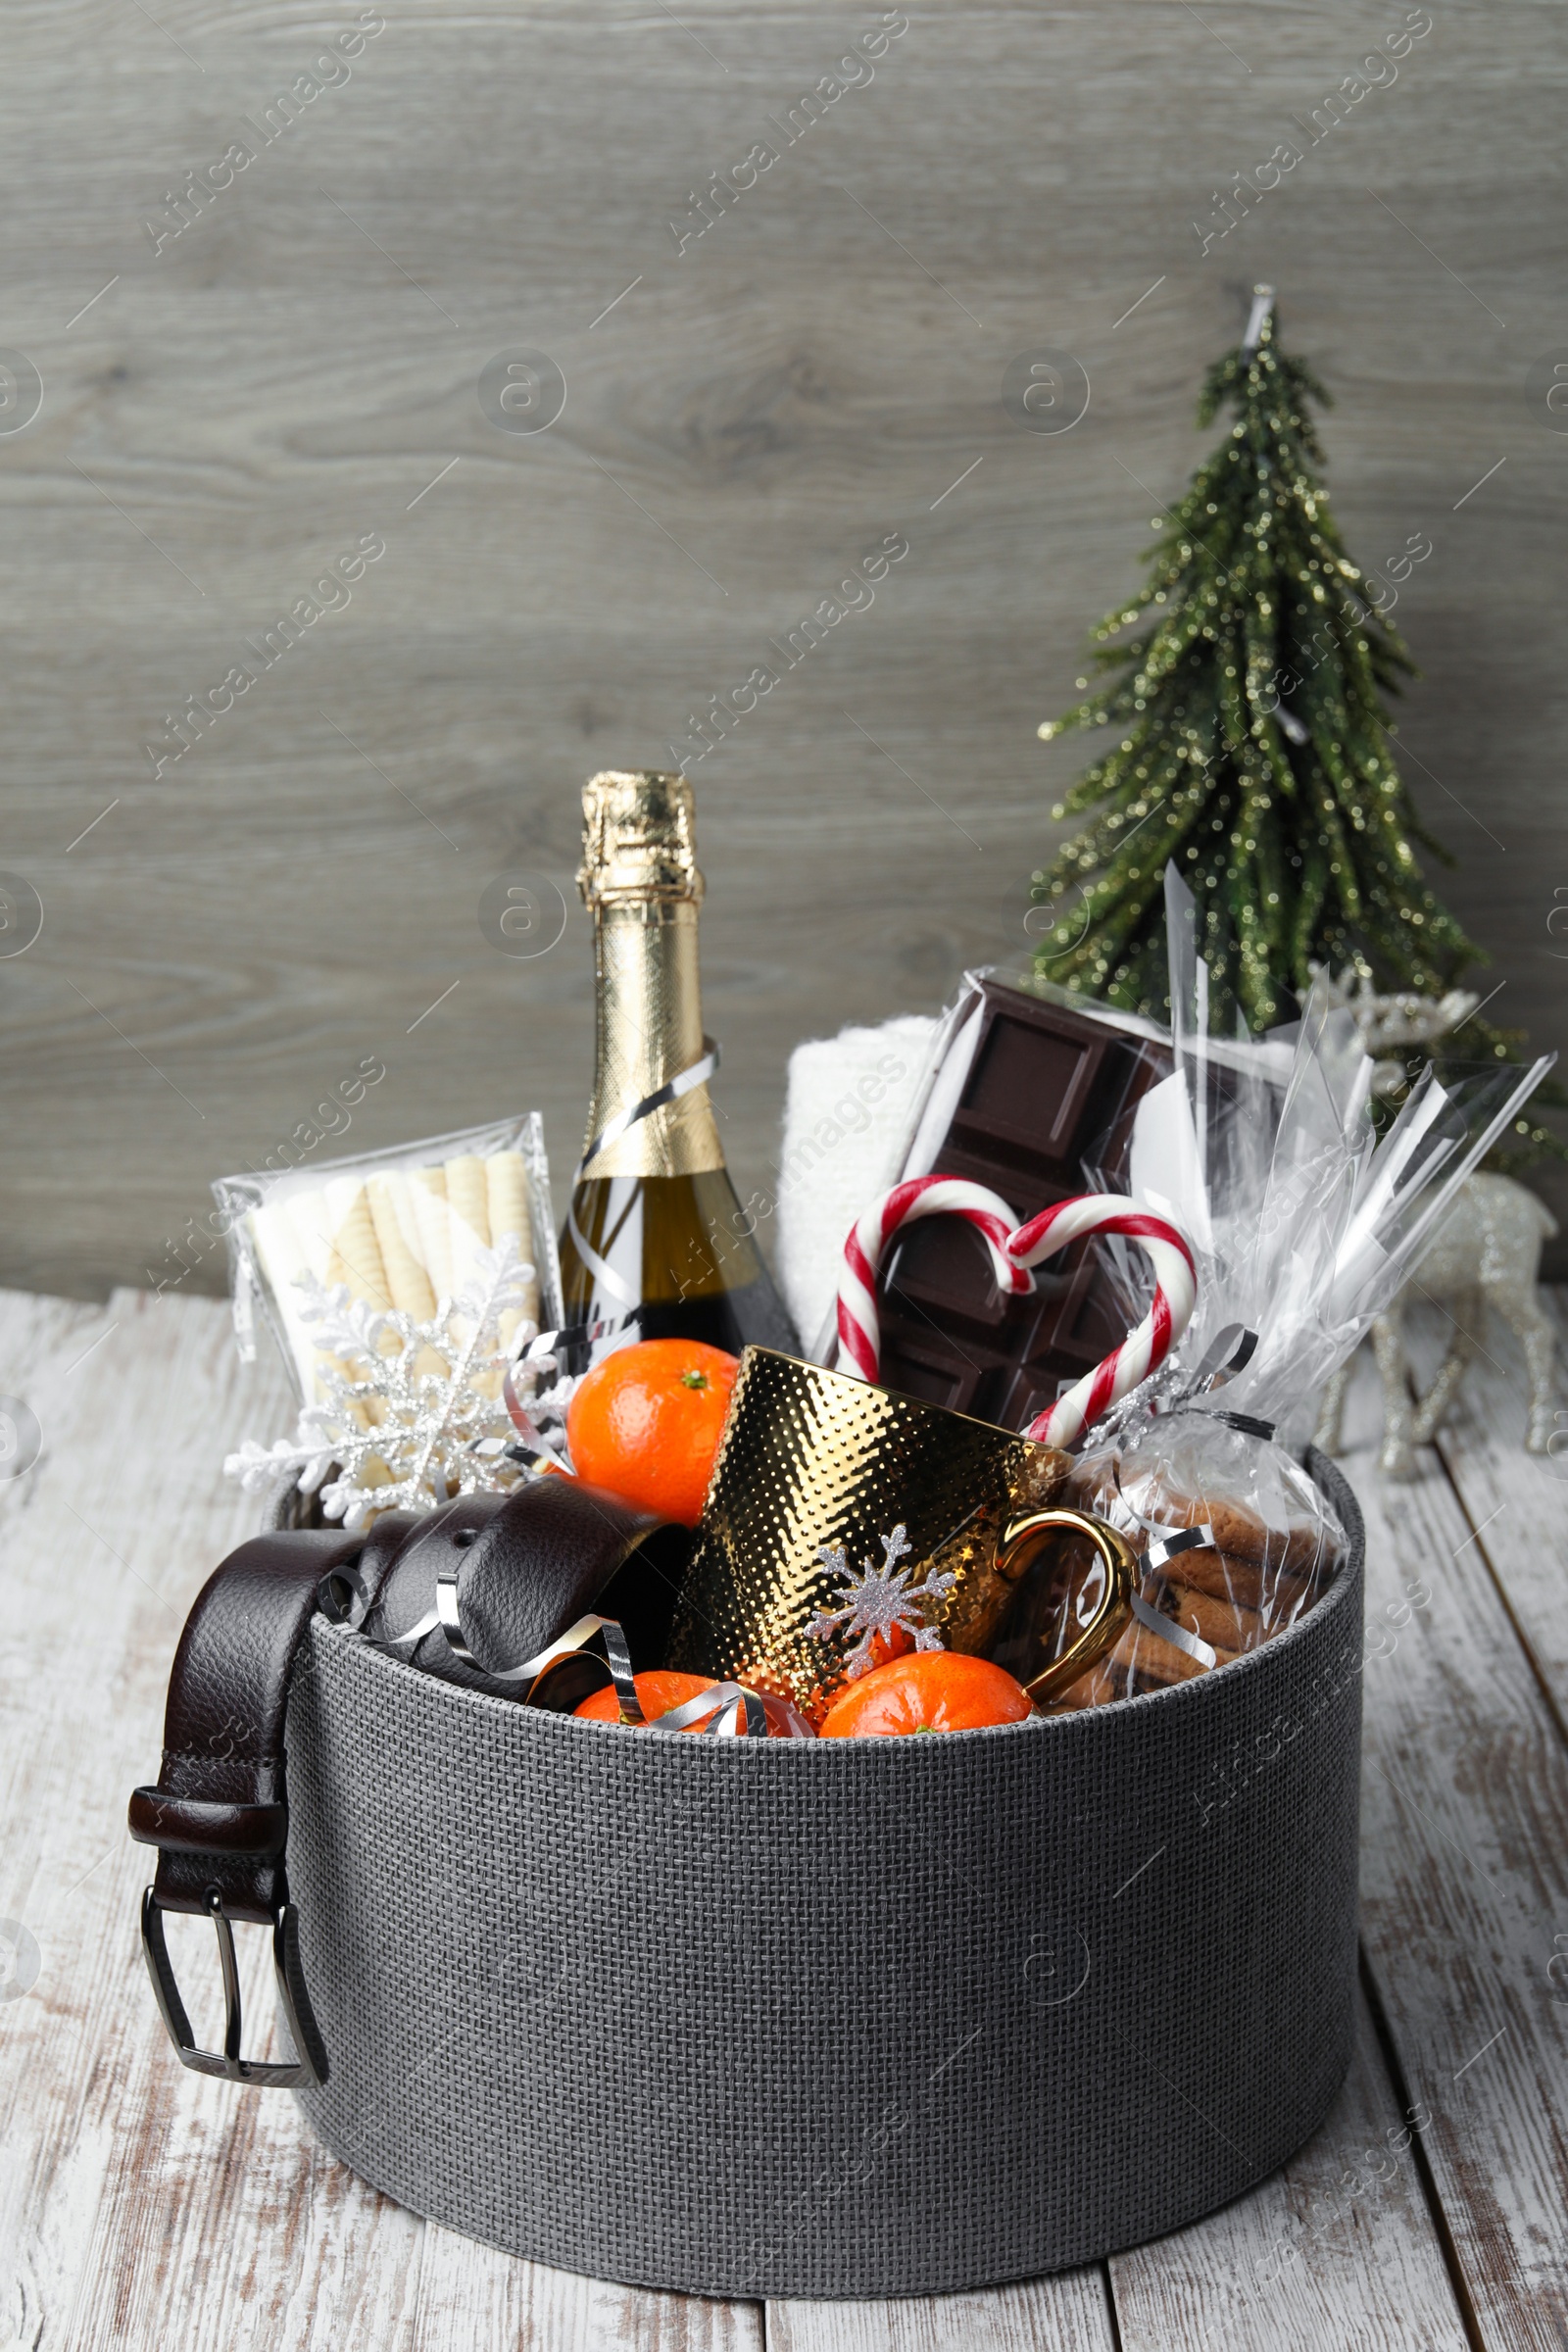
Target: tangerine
point(646, 1423)
point(657, 1691)
point(929, 1691)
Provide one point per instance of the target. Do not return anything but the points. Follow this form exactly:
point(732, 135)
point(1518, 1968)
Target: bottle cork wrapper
point(640, 883)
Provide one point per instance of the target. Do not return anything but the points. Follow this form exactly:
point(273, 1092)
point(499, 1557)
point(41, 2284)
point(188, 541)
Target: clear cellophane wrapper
point(1276, 1545)
point(403, 1231)
point(1308, 1199)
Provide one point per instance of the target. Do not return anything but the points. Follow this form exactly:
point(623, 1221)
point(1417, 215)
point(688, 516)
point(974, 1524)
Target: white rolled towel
point(848, 1115)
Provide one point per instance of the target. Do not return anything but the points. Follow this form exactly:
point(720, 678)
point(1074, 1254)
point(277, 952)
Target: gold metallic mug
point(813, 1463)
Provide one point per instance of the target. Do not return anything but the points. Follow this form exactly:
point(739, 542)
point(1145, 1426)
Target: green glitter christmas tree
point(1245, 687)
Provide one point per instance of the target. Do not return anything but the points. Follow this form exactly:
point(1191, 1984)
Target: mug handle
point(1023, 1539)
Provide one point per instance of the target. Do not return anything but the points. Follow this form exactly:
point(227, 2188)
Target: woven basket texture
point(851, 2017)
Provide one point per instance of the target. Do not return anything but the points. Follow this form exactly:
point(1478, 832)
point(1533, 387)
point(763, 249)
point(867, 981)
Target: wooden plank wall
point(225, 416)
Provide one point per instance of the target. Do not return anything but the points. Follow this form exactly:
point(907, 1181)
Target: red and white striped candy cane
point(859, 1328)
point(1176, 1290)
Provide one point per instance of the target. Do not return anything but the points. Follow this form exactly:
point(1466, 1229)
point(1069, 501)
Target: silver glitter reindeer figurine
point(1488, 1251)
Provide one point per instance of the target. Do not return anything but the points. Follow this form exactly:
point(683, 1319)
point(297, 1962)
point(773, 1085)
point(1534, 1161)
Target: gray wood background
point(232, 412)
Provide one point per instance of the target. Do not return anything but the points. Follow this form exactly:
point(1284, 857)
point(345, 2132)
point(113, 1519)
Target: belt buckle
point(306, 2072)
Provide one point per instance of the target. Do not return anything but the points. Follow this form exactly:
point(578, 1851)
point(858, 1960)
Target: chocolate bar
point(1041, 1085)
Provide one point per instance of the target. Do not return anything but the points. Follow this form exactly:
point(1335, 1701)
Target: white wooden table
point(143, 2206)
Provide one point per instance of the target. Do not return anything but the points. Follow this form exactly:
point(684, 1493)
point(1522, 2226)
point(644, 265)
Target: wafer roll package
point(402, 1232)
point(1308, 1202)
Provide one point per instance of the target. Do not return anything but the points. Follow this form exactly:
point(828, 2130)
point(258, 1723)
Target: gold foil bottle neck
point(639, 840)
point(640, 882)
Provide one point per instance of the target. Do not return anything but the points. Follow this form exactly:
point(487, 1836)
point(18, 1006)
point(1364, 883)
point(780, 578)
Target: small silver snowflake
point(878, 1600)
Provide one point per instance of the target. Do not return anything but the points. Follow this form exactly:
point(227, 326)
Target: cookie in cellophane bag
point(1235, 1543)
point(1307, 1201)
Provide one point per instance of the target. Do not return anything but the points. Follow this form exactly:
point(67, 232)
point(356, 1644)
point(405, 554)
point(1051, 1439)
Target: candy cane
point(859, 1330)
point(1175, 1292)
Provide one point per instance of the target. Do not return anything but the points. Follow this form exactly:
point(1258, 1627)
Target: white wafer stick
point(468, 1211)
point(406, 1280)
point(428, 1189)
point(355, 1252)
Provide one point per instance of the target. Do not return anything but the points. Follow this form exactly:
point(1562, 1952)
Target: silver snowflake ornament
point(878, 1602)
point(412, 1413)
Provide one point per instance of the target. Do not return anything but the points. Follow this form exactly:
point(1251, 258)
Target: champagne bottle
point(654, 1220)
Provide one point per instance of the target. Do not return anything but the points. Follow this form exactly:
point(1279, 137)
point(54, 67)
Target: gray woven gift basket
point(747, 2017)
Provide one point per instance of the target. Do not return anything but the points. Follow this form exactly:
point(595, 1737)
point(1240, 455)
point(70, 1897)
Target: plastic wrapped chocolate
point(1020, 1089)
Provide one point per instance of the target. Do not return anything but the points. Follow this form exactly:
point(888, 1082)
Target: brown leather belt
point(530, 1562)
point(219, 1815)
